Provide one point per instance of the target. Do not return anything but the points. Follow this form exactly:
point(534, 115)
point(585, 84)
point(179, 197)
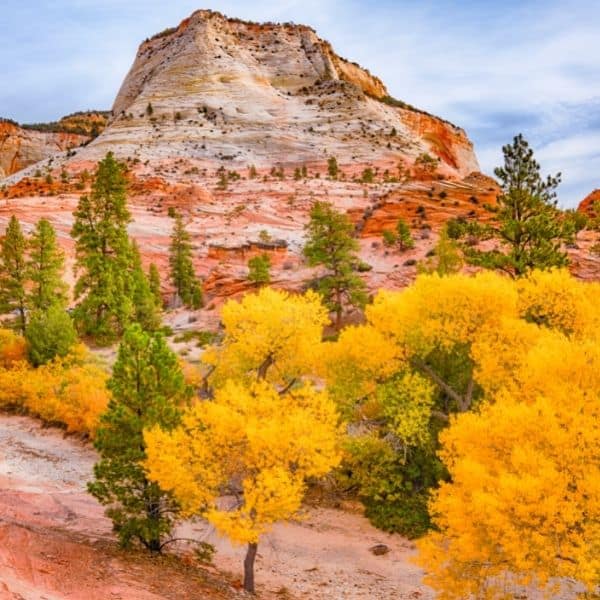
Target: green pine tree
point(13, 272)
point(330, 244)
point(148, 388)
point(259, 270)
point(103, 255)
point(187, 287)
point(404, 238)
point(147, 312)
point(530, 227)
point(45, 268)
point(154, 281)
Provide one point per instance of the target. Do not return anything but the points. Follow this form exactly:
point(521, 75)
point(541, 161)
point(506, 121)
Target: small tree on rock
point(404, 238)
point(259, 270)
point(332, 167)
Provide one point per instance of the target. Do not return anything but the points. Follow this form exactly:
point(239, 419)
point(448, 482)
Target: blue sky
point(494, 68)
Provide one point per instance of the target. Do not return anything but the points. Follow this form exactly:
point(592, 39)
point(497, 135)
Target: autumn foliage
point(463, 411)
point(526, 466)
point(70, 391)
point(241, 457)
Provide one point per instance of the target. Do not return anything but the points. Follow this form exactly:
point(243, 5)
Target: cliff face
point(20, 147)
point(225, 91)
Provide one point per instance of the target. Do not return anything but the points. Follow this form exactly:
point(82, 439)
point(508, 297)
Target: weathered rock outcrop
point(587, 204)
point(20, 147)
point(225, 91)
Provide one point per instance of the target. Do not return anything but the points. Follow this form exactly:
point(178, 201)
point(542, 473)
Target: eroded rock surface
point(20, 147)
point(55, 542)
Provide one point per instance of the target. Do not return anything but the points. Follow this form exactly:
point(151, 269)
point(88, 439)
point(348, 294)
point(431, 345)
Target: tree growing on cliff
point(13, 272)
point(529, 226)
point(148, 389)
point(403, 236)
point(45, 268)
point(330, 244)
point(187, 287)
point(332, 167)
point(103, 254)
point(259, 270)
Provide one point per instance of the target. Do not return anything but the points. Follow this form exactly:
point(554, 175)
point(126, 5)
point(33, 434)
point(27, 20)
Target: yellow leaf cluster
point(353, 364)
point(273, 330)
point(523, 507)
point(13, 348)
point(241, 459)
point(443, 311)
point(70, 391)
point(407, 402)
point(557, 300)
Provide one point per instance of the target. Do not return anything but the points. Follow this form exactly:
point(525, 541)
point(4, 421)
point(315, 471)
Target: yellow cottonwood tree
point(522, 510)
point(241, 459)
point(466, 335)
point(271, 335)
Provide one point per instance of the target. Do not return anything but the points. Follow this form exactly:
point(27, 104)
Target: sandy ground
point(55, 542)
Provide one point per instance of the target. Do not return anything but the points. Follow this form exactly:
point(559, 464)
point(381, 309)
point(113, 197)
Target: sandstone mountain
point(219, 89)
point(232, 123)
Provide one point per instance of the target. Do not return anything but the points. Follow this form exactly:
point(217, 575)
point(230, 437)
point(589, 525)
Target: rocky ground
point(56, 544)
point(260, 215)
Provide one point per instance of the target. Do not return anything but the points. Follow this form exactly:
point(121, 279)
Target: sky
point(494, 68)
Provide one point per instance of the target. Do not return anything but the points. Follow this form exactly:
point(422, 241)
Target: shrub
point(70, 391)
point(392, 490)
point(368, 175)
point(259, 269)
point(332, 167)
point(389, 237)
point(13, 348)
point(49, 334)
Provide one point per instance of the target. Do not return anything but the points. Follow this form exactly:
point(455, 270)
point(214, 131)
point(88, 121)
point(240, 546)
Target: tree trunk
point(249, 568)
point(23, 318)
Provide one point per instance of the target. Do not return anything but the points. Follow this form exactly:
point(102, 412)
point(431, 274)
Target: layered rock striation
point(226, 91)
point(21, 147)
